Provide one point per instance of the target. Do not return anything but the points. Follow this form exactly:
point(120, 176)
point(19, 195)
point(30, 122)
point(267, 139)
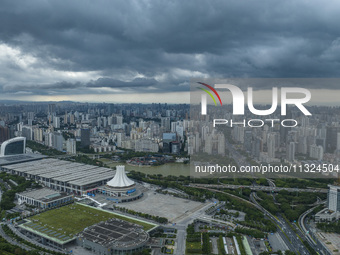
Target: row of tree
point(158, 219)
point(329, 226)
point(8, 195)
point(84, 159)
point(8, 249)
point(251, 232)
point(45, 150)
point(291, 204)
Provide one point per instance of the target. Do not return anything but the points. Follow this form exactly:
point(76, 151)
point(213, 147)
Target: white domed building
point(121, 188)
point(120, 180)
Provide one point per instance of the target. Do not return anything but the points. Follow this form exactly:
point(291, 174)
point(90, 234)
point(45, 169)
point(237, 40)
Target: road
point(296, 242)
point(182, 225)
point(181, 238)
point(280, 224)
point(257, 188)
point(293, 243)
point(271, 183)
point(307, 231)
point(286, 227)
point(13, 241)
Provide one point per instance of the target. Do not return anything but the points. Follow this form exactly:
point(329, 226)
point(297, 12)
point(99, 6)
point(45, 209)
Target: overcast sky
point(147, 51)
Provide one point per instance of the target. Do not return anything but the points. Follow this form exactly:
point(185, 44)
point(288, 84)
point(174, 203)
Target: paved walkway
point(13, 241)
point(18, 233)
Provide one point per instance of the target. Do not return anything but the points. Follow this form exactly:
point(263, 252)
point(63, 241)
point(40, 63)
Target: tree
point(18, 251)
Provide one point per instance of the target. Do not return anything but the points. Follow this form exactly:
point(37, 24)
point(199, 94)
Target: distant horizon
point(320, 97)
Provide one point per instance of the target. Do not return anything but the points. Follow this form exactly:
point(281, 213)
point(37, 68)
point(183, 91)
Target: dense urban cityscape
point(88, 178)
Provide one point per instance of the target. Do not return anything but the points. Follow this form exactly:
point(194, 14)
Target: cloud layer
point(143, 46)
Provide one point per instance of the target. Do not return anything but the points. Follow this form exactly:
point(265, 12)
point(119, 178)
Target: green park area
point(65, 222)
point(193, 247)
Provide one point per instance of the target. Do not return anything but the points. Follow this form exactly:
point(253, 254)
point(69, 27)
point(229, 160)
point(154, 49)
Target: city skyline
point(322, 97)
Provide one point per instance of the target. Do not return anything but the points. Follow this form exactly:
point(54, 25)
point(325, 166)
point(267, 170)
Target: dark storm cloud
point(113, 83)
point(58, 85)
point(166, 42)
point(142, 84)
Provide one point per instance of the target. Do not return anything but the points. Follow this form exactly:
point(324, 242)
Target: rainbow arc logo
point(209, 93)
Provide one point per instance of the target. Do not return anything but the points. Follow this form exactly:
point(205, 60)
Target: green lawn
point(108, 162)
point(72, 219)
point(105, 160)
point(193, 245)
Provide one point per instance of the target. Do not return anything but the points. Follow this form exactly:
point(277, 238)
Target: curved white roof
point(120, 180)
point(13, 140)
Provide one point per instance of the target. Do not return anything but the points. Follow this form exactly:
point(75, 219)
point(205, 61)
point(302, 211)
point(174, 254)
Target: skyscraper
point(221, 144)
point(56, 122)
point(27, 132)
point(119, 119)
point(338, 141)
point(110, 109)
point(271, 145)
point(66, 118)
point(168, 138)
point(257, 147)
point(291, 152)
point(165, 123)
point(57, 141)
point(333, 199)
point(51, 109)
point(38, 134)
point(71, 119)
point(316, 152)
point(71, 146)
point(4, 134)
point(248, 140)
point(331, 138)
point(85, 137)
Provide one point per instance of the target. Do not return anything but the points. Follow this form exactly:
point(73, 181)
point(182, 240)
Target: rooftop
point(120, 180)
point(64, 171)
point(326, 211)
point(64, 223)
point(44, 194)
point(117, 233)
point(13, 159)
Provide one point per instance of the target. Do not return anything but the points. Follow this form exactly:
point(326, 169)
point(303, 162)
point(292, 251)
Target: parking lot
point(160, 205)
point(277, 243)
point(332, 241)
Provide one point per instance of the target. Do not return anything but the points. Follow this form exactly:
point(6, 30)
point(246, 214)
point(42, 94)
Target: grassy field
point(193, 245)
point(109, 162)
point(105, 160)
point(64, 222)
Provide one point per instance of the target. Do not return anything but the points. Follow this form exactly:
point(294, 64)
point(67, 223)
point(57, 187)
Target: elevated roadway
point(258, 188)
